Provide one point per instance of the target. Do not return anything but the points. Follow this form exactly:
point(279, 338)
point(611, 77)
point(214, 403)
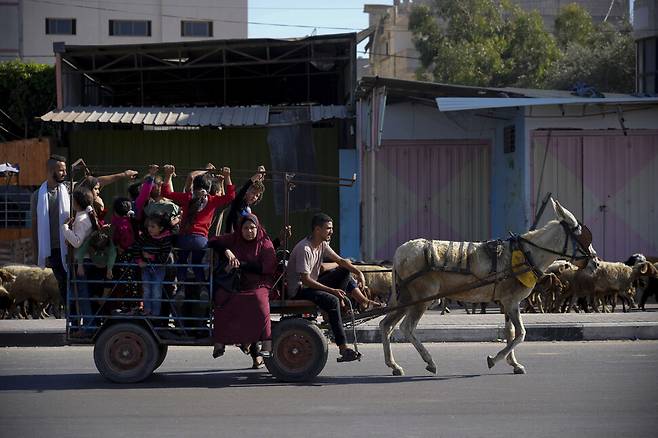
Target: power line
point(98, 8)
point(258, 23)
point(178, 5)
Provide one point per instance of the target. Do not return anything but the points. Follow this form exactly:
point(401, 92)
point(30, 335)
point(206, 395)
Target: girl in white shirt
point(76, 231)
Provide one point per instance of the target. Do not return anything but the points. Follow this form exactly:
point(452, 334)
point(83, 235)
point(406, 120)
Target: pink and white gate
point(435, 189)
point(608, 180)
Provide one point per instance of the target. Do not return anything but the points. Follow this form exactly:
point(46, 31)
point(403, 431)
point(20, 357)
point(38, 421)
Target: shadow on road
point(197, 379)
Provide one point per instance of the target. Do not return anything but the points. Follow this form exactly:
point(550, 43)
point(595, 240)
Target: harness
point(524, 271)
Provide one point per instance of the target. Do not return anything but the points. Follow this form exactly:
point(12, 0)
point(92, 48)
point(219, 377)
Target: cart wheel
point(299, 351)
point(162, 354)
point(126, 353)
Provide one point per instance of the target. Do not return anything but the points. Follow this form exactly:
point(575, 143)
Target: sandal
point(218, 350)
point(244, 348)
point(258, 363)
point(349, 355)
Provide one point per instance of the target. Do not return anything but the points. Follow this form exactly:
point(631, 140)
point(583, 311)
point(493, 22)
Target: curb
point(449, 333)
point(536, 332)
point(33, 339)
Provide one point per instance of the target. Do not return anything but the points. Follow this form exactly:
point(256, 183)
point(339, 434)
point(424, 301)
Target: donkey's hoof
point(490, 362)
point(431, 368)
point(398, 372)
point(519, 370)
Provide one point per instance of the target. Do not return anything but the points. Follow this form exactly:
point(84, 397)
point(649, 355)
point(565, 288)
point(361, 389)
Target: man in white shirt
point(303, 272)
point(54, 207)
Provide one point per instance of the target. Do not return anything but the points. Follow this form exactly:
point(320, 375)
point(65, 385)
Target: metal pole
point(287, 187)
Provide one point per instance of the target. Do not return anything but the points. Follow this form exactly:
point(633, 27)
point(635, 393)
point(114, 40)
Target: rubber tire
point(307, 338)
point(162, 354)
point(136, 340)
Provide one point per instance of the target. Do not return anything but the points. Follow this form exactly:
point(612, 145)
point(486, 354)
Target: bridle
point(581, 240)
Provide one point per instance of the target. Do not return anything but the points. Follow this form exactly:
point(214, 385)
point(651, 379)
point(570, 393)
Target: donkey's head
point(577, 234)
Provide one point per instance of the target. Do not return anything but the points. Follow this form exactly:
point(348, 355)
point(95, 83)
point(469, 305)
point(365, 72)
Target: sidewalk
point(433, 327)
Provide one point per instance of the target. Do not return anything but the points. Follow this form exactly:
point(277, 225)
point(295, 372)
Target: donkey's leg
point(514, 314)
point(386, 327)
point(408, 326)
point(511, 358)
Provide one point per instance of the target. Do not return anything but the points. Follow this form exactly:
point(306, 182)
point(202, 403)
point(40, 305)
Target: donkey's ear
point(557, 208)
point(564, 214)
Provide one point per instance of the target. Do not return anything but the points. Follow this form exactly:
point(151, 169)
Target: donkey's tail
point(395, 284)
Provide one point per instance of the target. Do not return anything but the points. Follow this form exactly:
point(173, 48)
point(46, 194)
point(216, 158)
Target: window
point(647, 65)
point(60, 26)
point(509, 139)
point(15, 206)
point(130, 28)
point(196, 28)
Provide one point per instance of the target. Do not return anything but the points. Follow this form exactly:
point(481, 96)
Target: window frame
point(646, 78)
point(209, 27)
point(50, 24)
point(112, 30)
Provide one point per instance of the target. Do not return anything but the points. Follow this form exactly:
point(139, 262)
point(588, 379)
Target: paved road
point(573, 389)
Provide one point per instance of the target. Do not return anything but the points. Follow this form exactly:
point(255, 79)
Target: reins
point(492, 278)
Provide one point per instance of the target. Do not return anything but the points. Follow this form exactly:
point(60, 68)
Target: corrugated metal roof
point(324, 112)
point(471, 103)
point(162, 116)
point(193, 116)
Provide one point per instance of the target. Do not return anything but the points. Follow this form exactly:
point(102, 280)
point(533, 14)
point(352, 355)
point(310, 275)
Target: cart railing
point(94, 302)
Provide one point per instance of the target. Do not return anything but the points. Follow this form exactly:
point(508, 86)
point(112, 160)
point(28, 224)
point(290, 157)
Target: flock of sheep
point(598, 287)
point(28, 292)
point(32, 292)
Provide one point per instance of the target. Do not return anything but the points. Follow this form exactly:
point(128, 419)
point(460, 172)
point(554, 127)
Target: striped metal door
point(435, 189)
point(607, 180)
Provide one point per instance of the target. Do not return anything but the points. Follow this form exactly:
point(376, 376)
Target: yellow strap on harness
point(528, 279)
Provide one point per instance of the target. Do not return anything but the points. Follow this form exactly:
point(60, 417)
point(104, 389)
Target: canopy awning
point(258, 115)
point(473, 103)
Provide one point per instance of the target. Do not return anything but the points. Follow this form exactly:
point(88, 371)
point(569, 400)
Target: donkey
point(420, 273)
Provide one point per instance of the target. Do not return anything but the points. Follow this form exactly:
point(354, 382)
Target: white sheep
point(545, 296)
point(379, 281)
point(33, 284)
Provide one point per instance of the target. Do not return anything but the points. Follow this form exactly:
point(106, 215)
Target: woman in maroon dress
point(243, 316)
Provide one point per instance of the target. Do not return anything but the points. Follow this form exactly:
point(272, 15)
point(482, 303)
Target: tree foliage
point(601, 56)
point(481, 42)
point(27, 90)
point(495, 43)
point(573, 25)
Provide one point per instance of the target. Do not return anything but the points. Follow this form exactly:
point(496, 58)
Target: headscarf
point(259, 250)
point(249, 217)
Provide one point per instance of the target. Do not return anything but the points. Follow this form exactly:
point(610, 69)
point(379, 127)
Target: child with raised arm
point(198, 208)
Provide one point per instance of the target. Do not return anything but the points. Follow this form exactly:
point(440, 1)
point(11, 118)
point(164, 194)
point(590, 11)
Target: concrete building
point(391, 49)
point(28, 28)
point(461, 163)
point(645, 25)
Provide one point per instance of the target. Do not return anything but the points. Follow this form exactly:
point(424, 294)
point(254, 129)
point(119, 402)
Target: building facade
point(28, 28)
point(458, 163)
point(392, 51)
point(645, 25)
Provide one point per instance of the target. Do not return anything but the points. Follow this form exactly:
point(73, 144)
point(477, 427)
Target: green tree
point(27, 90)
point(607, 63)
point(481, 42)
point(601, 56)
point(573, 25)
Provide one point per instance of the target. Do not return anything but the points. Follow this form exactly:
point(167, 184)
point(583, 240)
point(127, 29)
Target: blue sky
point(338, 13)
point(336, 16)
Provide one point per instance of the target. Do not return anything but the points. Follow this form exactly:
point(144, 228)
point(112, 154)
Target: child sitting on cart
point(152, 251)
